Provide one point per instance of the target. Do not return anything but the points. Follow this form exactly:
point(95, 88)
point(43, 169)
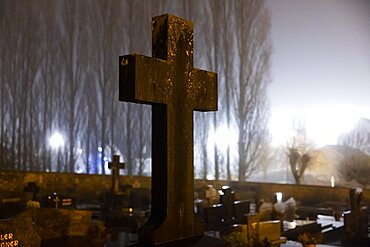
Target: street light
point(224, 138)
point(279, 196)
point(56, 140)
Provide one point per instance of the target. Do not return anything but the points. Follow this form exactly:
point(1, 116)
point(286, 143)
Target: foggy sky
point(321, 60)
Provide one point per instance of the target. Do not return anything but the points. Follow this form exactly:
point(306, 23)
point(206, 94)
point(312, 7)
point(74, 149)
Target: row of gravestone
point(219, 217)
point(139, 199)
point(225, 215)
point(31, 226)
point(11, 203)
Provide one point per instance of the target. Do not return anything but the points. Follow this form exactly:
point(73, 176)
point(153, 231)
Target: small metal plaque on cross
point(115, 166)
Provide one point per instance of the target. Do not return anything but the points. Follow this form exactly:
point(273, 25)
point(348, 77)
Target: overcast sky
point(320, 66)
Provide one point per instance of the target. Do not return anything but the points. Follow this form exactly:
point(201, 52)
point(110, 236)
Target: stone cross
point(169, 83)
point(115, 165)
point(32, 187)
point(56, 201)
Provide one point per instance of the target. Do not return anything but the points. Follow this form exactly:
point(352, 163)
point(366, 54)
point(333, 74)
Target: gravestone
point(255, 232)
point(214, 219)
point(234, 210)
point(241, 209)
point(211, 194)
point(252, 223)
point(356, 220)
point(169, 83)
point(115, 198)
point(11, 204)
point(227, 199)
point(115, 166)
point(32, 187)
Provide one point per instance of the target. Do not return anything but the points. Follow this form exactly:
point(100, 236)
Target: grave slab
point(19, 231)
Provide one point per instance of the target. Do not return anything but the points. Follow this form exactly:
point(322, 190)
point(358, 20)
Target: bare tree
point(143, 133)
point(106, 39)
point(128, 116)
point(359, 137)
point(222, 52)
point(19, 49)
point(355, 166)
point(298, 164)
point(4, 93)
point(10, 50)
point(253, 50)
point(29, 92)
point(68, 81)
point(228, 83)
point(48, 80)
point(89, 142)
point(202, 124)
point(137, 140)
point(298, 153)
point(74, 55)
point(214, 60)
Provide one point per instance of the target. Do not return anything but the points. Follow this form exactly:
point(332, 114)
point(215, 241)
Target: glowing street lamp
point(332, 181)
point(56, 140)
point(224, 137)
point(279, 196)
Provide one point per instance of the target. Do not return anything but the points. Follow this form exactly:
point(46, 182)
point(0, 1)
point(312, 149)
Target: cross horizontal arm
point(119, 165)
point(144, 79)
point(206, 91)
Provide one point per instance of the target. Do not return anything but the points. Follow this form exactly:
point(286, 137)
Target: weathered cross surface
point(169, 83)
point(115, 165)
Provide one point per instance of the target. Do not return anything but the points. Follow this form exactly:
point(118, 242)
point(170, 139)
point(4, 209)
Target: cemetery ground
point(61, 209)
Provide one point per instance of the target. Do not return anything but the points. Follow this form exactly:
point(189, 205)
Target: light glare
point(224, 137)
point(324, 123)
point(56, 140)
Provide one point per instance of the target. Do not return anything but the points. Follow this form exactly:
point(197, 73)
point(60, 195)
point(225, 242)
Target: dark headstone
point(241, 209)
point(213, 218)
point(234, 211)
point(32, 187)
point(356, 220)
point(169, 83)
point(227, 199)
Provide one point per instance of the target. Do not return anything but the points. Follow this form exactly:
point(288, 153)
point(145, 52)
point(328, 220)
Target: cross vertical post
point(169, 83)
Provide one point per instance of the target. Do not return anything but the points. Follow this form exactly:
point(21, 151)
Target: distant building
point(358, 137)
point(341, 165)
